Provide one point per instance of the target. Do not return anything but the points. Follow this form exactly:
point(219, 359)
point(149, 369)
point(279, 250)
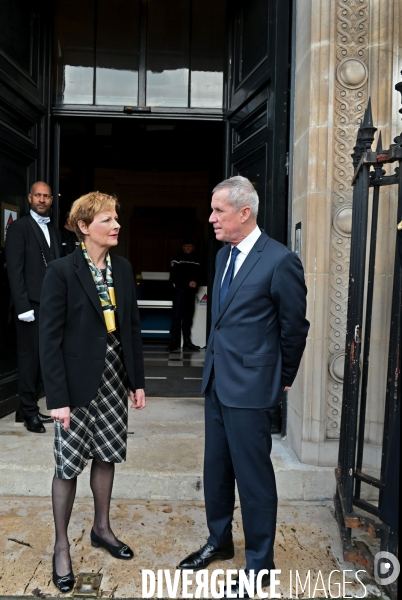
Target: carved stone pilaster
point(352, 18)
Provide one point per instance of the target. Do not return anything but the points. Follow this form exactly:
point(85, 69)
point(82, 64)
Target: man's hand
point(62, 415)
point(192, 284)
point(138, 399)
point(286, 388)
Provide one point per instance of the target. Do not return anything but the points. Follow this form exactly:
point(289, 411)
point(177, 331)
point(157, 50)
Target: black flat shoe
point(188, 345)
point(173, 347)
point(45, 418)
point(124, 552)
point(66, 583)
point(34, 425)
point(19, 417)
point(205, 555)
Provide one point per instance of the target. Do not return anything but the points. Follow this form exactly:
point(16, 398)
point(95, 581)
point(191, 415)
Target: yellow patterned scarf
point(105, 290)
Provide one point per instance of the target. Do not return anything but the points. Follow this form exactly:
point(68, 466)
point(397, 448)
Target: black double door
point(256, 115)
point(24, 149)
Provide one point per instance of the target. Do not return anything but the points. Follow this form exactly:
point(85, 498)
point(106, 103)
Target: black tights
point(63, 494)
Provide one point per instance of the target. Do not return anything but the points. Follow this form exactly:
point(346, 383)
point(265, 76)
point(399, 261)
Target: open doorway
point(162, 172)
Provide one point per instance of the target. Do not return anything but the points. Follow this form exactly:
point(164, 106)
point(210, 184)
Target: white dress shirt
point(245, 247)
point(43, 226)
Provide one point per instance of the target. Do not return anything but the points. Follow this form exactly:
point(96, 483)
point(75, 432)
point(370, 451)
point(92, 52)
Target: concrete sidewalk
point(161, 534)
point(158, 509)
point(164, 460)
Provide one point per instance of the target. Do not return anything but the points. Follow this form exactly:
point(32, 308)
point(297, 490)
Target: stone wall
point(346, 51)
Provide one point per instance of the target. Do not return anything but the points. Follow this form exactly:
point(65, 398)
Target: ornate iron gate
point(369, 173)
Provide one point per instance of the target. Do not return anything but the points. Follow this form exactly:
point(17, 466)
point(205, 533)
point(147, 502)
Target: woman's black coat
point(73, 333)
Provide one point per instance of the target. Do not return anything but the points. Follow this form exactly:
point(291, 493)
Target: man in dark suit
point(185, 275)
point(258, 335)
point(31, 243)
point(69, 240)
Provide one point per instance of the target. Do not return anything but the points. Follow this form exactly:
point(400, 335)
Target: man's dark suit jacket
point(73, 335)
point(259, 334)
point(26, 268)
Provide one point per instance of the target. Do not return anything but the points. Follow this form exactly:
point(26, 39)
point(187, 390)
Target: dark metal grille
point(369, 173)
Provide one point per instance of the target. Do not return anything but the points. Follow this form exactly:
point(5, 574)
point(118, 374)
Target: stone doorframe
point(345, 51)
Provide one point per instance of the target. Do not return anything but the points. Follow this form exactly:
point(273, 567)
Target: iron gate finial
point(368, 129)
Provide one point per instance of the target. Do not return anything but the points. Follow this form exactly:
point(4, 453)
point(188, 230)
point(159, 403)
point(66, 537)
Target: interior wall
point(158, 210)
point(162, 173)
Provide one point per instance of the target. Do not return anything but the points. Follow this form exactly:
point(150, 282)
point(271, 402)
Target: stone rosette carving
point(352, 73)
point(337, 366)
point(350, 101)
point(342, 221)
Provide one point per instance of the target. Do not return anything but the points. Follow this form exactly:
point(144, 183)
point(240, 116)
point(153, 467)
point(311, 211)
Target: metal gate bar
point(369, 173)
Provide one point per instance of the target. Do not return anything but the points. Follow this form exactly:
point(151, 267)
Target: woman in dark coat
point(91, 356)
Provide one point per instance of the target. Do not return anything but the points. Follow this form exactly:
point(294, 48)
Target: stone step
point(164, 459)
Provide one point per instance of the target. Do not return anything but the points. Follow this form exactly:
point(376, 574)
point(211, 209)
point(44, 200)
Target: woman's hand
point(138, 399)
point(62, 415)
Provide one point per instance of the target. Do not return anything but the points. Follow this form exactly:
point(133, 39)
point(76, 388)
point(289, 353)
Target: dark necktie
point(228, 276)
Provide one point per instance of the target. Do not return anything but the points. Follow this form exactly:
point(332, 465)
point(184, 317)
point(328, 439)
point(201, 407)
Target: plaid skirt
point(100, 428)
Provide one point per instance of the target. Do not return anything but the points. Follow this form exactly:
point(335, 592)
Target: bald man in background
point(31, 243)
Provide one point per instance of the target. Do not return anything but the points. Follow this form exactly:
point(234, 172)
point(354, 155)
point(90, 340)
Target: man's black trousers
point(182, 313)
point(237, 447)
point(29, 373)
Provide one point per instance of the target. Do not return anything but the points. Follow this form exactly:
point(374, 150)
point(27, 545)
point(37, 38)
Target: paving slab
point(163, 533)
point(164, 459)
